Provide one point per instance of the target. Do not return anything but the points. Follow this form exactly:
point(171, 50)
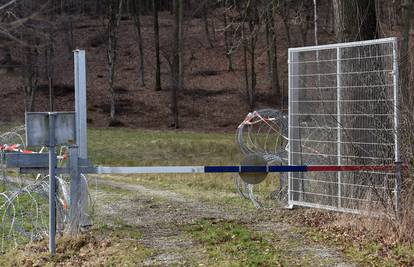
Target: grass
point(28, 213)
point(231, 244)
point(104, 245)
point(130, 147)
point(365, 251)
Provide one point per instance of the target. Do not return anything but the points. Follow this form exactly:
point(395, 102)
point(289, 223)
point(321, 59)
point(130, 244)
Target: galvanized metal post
point(80, 102)
point(338, 121)
point(52, 184)
point(74, 189)
point(290, 205)
point(398, 175)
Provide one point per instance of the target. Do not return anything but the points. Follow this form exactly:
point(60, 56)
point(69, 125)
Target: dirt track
point(161, 215)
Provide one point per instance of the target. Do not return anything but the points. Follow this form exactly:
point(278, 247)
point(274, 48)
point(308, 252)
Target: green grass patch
point(232, 244)
point(136, 147)
point(131, 147)
point(365, 251)
point(28, 214)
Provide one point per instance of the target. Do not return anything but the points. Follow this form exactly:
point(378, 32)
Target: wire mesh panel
point(342, 111)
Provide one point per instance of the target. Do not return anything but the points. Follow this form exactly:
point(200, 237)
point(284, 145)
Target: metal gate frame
point(292, 52)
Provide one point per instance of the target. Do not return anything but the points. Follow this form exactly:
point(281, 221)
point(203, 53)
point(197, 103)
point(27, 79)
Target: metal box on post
point(37, 128)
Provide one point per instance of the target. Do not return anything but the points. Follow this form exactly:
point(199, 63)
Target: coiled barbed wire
point(264, 133)
point(24, 200)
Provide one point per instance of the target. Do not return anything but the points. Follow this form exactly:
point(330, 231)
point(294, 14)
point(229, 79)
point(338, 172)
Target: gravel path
point(160, 215)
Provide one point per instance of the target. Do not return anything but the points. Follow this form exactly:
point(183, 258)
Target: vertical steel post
point(52, 184)
point(338, 120)
point(80, 102)
point(290, 205)
point(74, 190)
point(81, 151)
point(396, 126)
point(294, 183)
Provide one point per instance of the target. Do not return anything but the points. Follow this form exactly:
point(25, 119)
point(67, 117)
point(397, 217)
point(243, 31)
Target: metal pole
point(398, 176)
point(52, 184)
point(290, 205)
point(74, 189)
point(338, 119)
point(315, 22)
point(80, 102)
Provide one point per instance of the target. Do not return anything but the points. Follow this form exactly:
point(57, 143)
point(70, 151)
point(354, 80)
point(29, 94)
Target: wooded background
point(181, 63)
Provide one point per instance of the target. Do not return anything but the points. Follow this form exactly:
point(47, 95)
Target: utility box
point(37, 128)
point(20, 160)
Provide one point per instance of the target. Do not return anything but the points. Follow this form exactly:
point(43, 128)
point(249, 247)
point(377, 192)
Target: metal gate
point(343, 110)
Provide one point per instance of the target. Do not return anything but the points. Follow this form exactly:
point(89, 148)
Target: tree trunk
point(273, 53)
point(114, 16)
point(32, 99)
point(252, 98)
point(285, 19)
point(405, 70)
point(267, 31)
point(68, 34)
point(175, 68)
point(315, 21)
point(227, 42)
point(50, 70)
point(157, 47)
point(253, 18)
point(181, 45)
point(355, 20)
point(30, 73)
point(246, 70)
point(136, 10)
point(205, 20)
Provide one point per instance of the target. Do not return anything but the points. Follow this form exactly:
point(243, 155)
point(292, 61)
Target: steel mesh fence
point(343, 111)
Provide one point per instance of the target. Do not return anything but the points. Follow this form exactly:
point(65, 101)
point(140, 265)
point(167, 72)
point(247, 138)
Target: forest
point(159, 178)
point(181, 64)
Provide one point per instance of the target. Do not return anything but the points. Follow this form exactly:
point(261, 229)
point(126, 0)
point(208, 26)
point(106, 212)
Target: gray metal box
point(37, 128)
point(20, 160)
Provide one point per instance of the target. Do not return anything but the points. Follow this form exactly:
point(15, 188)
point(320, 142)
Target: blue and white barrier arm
point(223, 169)
point(239, 169)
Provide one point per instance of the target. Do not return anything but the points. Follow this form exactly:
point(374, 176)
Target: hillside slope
point(213, 98)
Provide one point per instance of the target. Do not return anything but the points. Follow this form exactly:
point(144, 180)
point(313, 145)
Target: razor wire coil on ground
point(263, 133)
point(24, 199)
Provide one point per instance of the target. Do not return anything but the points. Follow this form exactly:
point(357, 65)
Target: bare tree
point(31, 75)
point(23, 28)
point(253, 24)
point(303, 18)
point(176, 69)
point(284, 12)
point(205, 20)
point(315, 21)
point(181, 44)
point(67, 26)
point(136, 12)
point(157, 47)
point(272, 47)
point(355, 20)
point(114, 9)
point(408, 96)
point(227, 42)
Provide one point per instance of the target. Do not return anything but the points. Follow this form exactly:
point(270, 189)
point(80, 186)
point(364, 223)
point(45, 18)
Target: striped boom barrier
point(241, 169)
